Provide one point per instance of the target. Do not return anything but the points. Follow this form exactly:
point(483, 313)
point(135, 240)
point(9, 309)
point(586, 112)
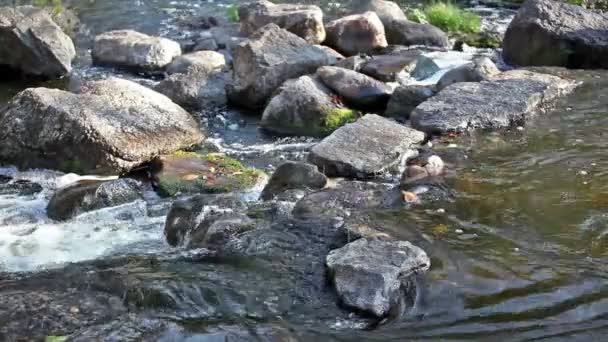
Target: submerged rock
point(186, 172)
point(132, 49)
point(304, 106)
point(305, 21)
point(33, 44)
point(293, 175)
point(355, 88)
point(374, 275)
point(113, 126)
point(546, 32)
point(481, 69)
point(203, 60)
point(357, 33)
point(270, 57)
point(386, 10)
point(406, 98)
point(18, 187)
point(366, 148)
point(405, 32)
point(506, 100)
point(90, 195)
point(197, 88)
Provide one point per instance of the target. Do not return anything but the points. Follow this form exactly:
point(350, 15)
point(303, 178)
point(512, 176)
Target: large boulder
point(375, 276)
point(386, 10)
point(191, 173)
point(480, 69)
point(303, 106)
point(111, 127)
point(269, 58)
point(202, 60)
point(197, 88)
point(505, 100)
point(33, 44)
point(90, 195)
point(357, 33)
point(132, 49)
point(305, 21)
point(368, 147)
point(405, 32)
point(355, 88)
point(293, 175)
point(546, 32)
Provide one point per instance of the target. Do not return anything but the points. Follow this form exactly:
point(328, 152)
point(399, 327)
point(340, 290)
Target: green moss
point(448, 17)
point(232, 176)
point(336, 118)
point(232, 13)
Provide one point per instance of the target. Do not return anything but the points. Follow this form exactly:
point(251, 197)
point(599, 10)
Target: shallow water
point(523, 258)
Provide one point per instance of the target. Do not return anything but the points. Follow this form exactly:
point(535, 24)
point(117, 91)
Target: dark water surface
point(520, 254)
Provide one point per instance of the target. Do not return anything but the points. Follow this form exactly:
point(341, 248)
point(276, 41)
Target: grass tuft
point(448, 17)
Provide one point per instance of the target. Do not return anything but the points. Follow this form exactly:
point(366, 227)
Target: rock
point(90, 195)
point(374, 276)
point(271, 210)
point(186, 172)
point(132, 49)
point(405, 32)
point(354, 63)
point(357, 33)
point(113, 126)
point(217, 229)
point(347, 196)
point(305, 106)
point(480, 69)
point(269, 58)
point(196, 89)
point(33, 44)
point(203, 60)
point(406, 98)
point(333, 56)
point(505, 100)
point(425, 169)
point(555, 33)
point(305, 21)
point(363, 149)
point(19, 187)
point(355, 88)
point(399, 65)
point(186, 214)
point(205, 44)
point(386, 10)
point(293, 175)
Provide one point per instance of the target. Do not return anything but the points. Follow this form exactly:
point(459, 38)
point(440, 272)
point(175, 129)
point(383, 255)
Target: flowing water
point(519, 253)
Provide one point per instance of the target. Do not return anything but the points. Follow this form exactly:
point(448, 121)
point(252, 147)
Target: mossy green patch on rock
point(335, 118)
point(188, 172)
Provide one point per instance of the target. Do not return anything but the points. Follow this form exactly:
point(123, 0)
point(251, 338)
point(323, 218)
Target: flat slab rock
point(503, 101)
point(372, 275)
point(365, 148)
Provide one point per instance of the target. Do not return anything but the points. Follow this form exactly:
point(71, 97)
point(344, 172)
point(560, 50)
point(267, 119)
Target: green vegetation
point(55, 339)
point(338, 117)
point(448, 17)
point(232, 13)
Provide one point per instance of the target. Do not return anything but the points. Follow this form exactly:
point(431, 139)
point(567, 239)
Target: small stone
point(74, 310)
point(409, 197)
point(459, 231)
point(583, 173)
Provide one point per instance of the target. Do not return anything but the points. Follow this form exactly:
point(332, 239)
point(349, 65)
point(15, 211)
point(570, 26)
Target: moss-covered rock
point(189, 172)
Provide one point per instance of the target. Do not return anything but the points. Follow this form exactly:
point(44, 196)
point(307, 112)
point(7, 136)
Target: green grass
point(232, 13)
point(448, 17)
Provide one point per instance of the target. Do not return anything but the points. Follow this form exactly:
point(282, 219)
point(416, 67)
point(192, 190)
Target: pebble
point(441, 211)
point(459, 231)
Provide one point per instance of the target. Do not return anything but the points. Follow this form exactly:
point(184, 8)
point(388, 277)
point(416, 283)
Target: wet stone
point(19, 188)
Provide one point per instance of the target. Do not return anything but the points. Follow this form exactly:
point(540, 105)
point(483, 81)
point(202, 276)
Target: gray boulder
point(555, 33)
point(301, 107)
point(132, 49)
point(90, 195)
point(399, 65)
point(269, 58)
point(481, 69)
point(374, 275)
point(215, 230)
point(203, 60)
point(366, 148)
point(197, 89)
point(506, 100)
point(333, 56)
point(357, 33)
point(305, 21)
point(386, 10)
point(293, 175)
point(33, 44)
point(355, 88)
point(111, 127)
point(406, 98)
point(405, 32)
